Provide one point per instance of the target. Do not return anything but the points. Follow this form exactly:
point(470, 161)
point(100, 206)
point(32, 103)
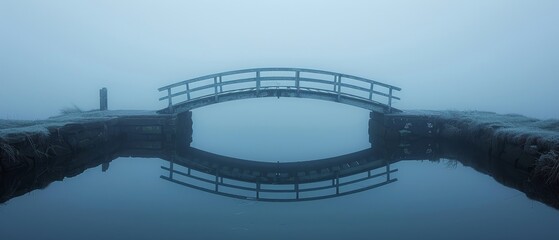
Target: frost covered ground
point(515, 127)
point(10, 127)
point(512, 125)
point(532, 136)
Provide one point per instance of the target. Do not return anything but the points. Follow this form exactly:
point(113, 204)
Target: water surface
point(441, 199)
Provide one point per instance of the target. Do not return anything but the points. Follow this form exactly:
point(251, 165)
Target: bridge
point(279, 82)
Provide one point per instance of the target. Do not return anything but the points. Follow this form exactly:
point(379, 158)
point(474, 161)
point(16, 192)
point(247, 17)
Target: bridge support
point(401, 127)
point(157, 132)
point(184, 129)
point(376, 128)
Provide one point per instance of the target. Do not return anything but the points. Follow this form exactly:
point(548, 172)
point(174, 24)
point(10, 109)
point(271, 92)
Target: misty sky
point(461, 55)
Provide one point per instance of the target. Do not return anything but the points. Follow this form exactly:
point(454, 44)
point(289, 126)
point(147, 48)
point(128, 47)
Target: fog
point(497, 56)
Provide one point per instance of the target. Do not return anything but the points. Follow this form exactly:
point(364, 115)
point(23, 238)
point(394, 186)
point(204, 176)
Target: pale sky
point(493, 55)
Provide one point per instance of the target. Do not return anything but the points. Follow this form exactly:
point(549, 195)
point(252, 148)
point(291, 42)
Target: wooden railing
point(297, 79)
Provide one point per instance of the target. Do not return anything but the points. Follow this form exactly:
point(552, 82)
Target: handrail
point(297, 80)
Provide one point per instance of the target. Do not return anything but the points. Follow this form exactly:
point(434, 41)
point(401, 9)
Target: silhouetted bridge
point(279, 82)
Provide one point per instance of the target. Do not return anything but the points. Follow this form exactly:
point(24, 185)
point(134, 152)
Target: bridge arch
point(279, 82)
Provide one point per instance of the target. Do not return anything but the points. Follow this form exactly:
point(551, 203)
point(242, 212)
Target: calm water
point(430, 200)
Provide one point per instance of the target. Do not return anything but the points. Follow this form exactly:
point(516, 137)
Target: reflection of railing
point(253, 183)
point(288, 192)
point(296, 79)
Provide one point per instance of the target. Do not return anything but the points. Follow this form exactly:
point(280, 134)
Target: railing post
point(258, 83)
point(387, 171)
point(297, 84)
point(337, 184)
point(257, 191)
point(187, 92)
point(371, 92)
point(171, 169)
point(217, 181)
point(215, 88)
point(220, 85)
point(339, 87)
point(335, 82)
point(170, 98)
point(296, 190)
point(390, 100)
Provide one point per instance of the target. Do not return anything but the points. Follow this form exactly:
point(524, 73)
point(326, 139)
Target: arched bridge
point(279, 82)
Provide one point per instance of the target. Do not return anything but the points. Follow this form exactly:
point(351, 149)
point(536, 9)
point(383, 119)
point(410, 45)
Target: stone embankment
point(25, 144)
point(526, 143)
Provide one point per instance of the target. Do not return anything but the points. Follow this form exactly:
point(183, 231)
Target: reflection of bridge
point(279, 182)
point(279, 82)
